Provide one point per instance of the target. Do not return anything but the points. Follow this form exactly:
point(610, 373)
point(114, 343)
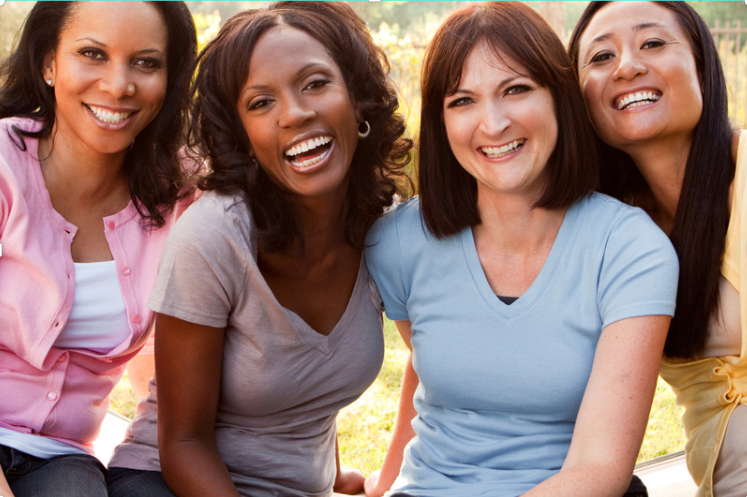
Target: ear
point(48, 67)
point(359, 117)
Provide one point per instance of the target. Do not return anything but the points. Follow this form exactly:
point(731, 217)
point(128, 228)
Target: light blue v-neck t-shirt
point(501, 385)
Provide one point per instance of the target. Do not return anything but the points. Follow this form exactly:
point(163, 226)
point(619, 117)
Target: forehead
point(623, 19)
point(484, 58)
point(114, 21)
point(284, 47)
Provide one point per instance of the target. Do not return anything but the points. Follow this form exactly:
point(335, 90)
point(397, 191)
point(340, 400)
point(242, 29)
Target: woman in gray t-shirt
point(267, 321)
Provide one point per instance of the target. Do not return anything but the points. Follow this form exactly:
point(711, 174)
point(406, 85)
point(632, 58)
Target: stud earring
point(366, 129)
point(49, 82)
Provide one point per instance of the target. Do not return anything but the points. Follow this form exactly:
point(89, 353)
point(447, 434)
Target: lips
point(107, 116)
point(309, 152)
point(503, 150)
point(637, 99)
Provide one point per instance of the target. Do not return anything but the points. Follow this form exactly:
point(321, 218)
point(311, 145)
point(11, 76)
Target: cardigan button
point(126, 271)
point(52, 396)
point(137, 319)
point(110, 225)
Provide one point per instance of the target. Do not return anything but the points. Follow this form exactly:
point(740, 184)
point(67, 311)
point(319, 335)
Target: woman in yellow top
point(655, 91)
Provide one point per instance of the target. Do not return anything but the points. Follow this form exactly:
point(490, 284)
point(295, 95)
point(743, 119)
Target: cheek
point(155, 90)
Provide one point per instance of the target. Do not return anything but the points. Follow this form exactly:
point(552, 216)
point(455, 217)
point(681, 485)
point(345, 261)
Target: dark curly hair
point(376, 173)
point(152, 164)
point(702, 216)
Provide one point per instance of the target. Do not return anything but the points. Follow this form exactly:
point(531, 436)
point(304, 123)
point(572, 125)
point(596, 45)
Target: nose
point(494, 119)
point(629, 66)
point(295, 111)
point(118, 81)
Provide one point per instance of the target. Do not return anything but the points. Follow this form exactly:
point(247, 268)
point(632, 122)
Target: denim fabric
point(125, 482)
point(636, 489)
point(73, 475)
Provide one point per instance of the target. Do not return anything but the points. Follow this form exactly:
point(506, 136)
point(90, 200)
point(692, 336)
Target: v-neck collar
point(540, 283)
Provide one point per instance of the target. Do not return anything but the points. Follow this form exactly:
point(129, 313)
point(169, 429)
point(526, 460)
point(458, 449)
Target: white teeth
point(109, 117)
point(307, 145)
point(495, 152)
point(637, 99)
point(311, 161)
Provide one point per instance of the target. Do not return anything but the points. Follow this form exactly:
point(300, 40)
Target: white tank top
point(98, 319)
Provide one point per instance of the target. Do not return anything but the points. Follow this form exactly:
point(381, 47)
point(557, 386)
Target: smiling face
point(109, 75)
point(638, 75)
point(501, 126)
point(298, 114)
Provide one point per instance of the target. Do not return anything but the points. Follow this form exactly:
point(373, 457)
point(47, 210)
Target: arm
point(382, 480)
point(140, 370)
point(189, 358)
point(4, 487)
point(614, 411)
point(348, 481)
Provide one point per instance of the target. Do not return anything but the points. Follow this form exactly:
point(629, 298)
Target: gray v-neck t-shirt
point(282, 382)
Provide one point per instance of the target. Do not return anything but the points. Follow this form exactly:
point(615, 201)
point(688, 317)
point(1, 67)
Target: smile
point(107, 116)
point(497, 152)
point(637, 99)
point(309, 152)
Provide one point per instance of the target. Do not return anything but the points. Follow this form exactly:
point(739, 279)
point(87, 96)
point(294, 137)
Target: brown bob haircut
point(520, 37)
point(376, 172)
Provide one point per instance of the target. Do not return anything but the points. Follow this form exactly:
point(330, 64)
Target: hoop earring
point(367, 129)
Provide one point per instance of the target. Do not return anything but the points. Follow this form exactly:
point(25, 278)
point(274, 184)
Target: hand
point(371, 485)
point(349, 481)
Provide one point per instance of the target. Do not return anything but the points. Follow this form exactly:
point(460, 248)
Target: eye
point(149, 63)
point(317, 83)
point(517, 89)
point(91, 53)
point(459, 102)
point(652, 44)
point(258, 103)
point(601, 57)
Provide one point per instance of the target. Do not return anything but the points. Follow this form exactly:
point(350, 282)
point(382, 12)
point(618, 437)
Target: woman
point(655, 90)
point(507, 256)
point(91, 110)
point(283, 328)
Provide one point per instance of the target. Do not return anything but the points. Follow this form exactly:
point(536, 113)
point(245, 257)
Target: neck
point(514, 226)
point(80, 179)
point(662, 165)
point(323, 225)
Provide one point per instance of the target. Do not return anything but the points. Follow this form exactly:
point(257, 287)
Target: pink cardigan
point(60, 394)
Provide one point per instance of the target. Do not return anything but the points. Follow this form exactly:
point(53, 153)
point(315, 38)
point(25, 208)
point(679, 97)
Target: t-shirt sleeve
point(200, 274)
point(384, 260)
point(640, 270)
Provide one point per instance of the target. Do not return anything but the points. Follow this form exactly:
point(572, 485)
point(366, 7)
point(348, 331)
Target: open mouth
point(309, 152)
point(108, 117)
point(637, 99)
point(498, 152)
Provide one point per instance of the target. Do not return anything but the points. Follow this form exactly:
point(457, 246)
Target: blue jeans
point(73, 475)
point(125, 482)
point(636, 489)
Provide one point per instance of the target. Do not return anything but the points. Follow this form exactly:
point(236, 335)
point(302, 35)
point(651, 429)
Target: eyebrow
point(636, 28)
point(299, 72)
point(503, 84)
point(102, 44)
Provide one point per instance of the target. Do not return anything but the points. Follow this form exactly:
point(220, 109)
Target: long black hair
point(702, 216)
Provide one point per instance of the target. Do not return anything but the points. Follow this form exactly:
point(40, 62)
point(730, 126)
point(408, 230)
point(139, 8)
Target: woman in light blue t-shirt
point(536, 311)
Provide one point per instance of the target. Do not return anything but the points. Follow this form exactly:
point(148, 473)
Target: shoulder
point(402, 220)
point(211, 218)
point(10, 129)
point(598, 210)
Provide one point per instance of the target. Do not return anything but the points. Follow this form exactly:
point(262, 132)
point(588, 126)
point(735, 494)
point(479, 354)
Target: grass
point(365, 427)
